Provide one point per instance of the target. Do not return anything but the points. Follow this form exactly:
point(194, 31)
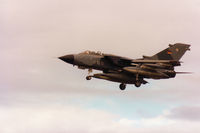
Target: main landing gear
point(122, 86)
point(138, 83)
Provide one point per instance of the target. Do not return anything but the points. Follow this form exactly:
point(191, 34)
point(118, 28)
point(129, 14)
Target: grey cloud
point(190, 113)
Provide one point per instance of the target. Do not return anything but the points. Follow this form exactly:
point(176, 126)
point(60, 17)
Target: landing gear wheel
point(137, 83)
point(122, 86)
point(88, 78)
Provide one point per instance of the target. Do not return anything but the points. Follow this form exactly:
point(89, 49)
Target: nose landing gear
point(88, 78)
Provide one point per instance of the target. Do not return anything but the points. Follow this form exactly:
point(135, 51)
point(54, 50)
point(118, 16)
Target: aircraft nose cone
point(67, 58)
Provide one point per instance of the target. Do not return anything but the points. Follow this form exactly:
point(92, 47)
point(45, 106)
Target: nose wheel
point(88, 78)
point(122, 86)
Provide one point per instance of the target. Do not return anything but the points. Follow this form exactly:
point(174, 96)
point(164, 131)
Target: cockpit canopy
point(92, 52)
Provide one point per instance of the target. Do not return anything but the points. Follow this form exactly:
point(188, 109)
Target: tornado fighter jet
point(130, 71)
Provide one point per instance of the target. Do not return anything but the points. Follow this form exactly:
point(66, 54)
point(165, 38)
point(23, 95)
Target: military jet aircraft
point(130, 71)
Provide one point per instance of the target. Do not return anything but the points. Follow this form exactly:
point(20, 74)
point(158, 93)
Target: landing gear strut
point(89, 71)
point(89, 77)
point(122, 86)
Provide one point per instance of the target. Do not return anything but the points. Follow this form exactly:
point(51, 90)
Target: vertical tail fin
point(173, 52)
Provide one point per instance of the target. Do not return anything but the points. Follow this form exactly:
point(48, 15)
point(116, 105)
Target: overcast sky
point(39, 93)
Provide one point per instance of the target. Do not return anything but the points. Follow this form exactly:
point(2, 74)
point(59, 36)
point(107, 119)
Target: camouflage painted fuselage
point(129, 71)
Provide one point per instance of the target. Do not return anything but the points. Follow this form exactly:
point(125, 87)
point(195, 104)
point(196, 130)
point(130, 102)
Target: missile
point(115, 77)
point(161, 66)
point(147, 74)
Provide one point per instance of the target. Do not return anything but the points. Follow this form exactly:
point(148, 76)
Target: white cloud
point(46, 119)
point(74, 119)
